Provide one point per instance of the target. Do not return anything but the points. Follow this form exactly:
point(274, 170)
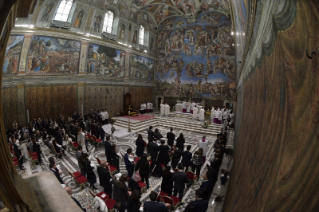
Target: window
point(108, 22)
point(63, 11)
point(141, 35)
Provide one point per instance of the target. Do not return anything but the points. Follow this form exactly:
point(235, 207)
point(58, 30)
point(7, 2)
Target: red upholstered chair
point(191, 176)
point(113, 170)
point(174, 201)
point(96, 140)
point(110, 204)
point(145, 144)
point(74, 145)
point(104, 198)
point(55, 152)
point(142, 185)
point(175, 170)
point(161, 195)
point(137, 159)
point(78, 178)
point(33, 158)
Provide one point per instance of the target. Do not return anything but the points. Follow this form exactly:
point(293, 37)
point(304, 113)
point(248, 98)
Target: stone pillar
point(21, 105)
point(83, 52)
point(81, 97)
point(127, 65)
point(24, 54)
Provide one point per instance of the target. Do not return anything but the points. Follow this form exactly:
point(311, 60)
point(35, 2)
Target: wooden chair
point(57, 154)
point(74, 145)
point(172, 200)
point(161, 195)
point(191, 176)
point(110, 204)
point(142, 185)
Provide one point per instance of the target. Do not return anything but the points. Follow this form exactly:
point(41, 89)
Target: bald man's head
point(69, 190)
point(103, 163)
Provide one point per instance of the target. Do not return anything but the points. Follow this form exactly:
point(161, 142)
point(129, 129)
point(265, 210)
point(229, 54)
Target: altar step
point(213, 129)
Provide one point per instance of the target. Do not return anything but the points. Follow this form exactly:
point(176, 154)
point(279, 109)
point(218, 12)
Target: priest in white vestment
point(202, 114)
point(219, 116)
point(212, 113)
point(162, 109)
point(167, 110)
point(192, 106)
point(184, 106)
point(195, 111)
point(188, 110)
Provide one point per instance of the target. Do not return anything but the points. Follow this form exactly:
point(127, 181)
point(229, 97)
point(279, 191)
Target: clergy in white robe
point(203, 144)
point(192, 106)
point(212, 113)
point(188, 109)
point(162, 109)
point(184, 106)
point(225, 115)
point(195, 111)
point(202, 114)
point(219, 116)
point(167, 110)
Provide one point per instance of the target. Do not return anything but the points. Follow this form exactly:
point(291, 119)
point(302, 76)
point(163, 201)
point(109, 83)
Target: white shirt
point(203, 145)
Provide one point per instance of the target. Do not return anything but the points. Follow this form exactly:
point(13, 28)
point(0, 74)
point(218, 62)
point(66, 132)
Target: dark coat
point(17, 151)
point(153, 149)
point(58, 138)
point(143, 167)
point(133, 185)
point(163, 156)
point(206, 187)
point(56, 173)
point(179, 179)
point(139, 147)
point(167, 183)
point(115, 160)
point(133, 205)
point(104, 176)
point(158, 136)
point(176, 157)
point(150, 135)
point(187, 157)
point(201, 205)
point(180, 143)
point(108, 151)
point(119, 192)
point(170, 138)
point(152, 206)
point(88, 169)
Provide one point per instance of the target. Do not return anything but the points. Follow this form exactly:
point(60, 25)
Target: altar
point(179, 107)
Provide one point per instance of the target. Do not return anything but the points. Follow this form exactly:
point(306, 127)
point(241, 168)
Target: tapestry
point(51, 55)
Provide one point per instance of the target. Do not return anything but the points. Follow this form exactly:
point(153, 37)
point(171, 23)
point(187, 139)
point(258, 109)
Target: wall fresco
point(12, 55)
point(51, 55)
point(105, 61)
point(141, 68)
point(196, 60)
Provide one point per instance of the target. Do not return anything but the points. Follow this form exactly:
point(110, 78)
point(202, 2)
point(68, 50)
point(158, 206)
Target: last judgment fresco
point(196, 60)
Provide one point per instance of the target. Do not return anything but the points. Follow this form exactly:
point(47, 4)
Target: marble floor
point(124, 140)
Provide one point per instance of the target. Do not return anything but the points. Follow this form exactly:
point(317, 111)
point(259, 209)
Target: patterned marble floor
point(69, 161)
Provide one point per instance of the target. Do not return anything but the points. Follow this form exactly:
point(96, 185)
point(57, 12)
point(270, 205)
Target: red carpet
point(140, 117)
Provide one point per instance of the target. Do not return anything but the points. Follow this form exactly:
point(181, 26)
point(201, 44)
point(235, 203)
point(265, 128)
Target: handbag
point(137, 176)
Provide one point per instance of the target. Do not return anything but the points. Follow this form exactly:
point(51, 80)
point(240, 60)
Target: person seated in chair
point(154, 206)
point(200, 204)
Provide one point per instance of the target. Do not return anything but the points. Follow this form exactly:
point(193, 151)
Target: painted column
point(21, 104)
point(127, 65)
point(24, 54)
point(83, 53)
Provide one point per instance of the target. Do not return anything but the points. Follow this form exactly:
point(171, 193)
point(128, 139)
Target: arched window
point(108, 22)
point(63, 11)
point(141, 35)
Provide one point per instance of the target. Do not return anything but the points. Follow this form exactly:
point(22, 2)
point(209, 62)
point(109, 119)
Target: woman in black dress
point(167, 183)
point(157, 135)
point(180, 141)
point(120, 191)
point(144, 169)
point(88, 169)
point(163, 156)
point(139, 145)
point(115, 158)
point(133, 203)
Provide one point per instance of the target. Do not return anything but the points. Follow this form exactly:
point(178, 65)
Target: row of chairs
point(109, 202)
point(172, 200)
point(78, 178)
point(93, 139)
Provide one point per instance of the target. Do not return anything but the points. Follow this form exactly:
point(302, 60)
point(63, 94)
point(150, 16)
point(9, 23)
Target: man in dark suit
point(150, 137)
point(153, 206)
point(69, 190)
point(207, 186)
point(18, 153)
point(55, 171)
point(176, 156)
point(108, 150)
point(200, 204)
point(129, 165)
point(105, 176)
point(153, 149)
point(170, 137)
point(78, 155)
point(179, 178)
point(187, 157)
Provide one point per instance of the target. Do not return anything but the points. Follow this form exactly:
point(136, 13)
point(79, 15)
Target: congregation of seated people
point(173, 162)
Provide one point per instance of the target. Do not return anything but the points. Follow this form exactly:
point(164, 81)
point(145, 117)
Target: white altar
point(179, 107)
